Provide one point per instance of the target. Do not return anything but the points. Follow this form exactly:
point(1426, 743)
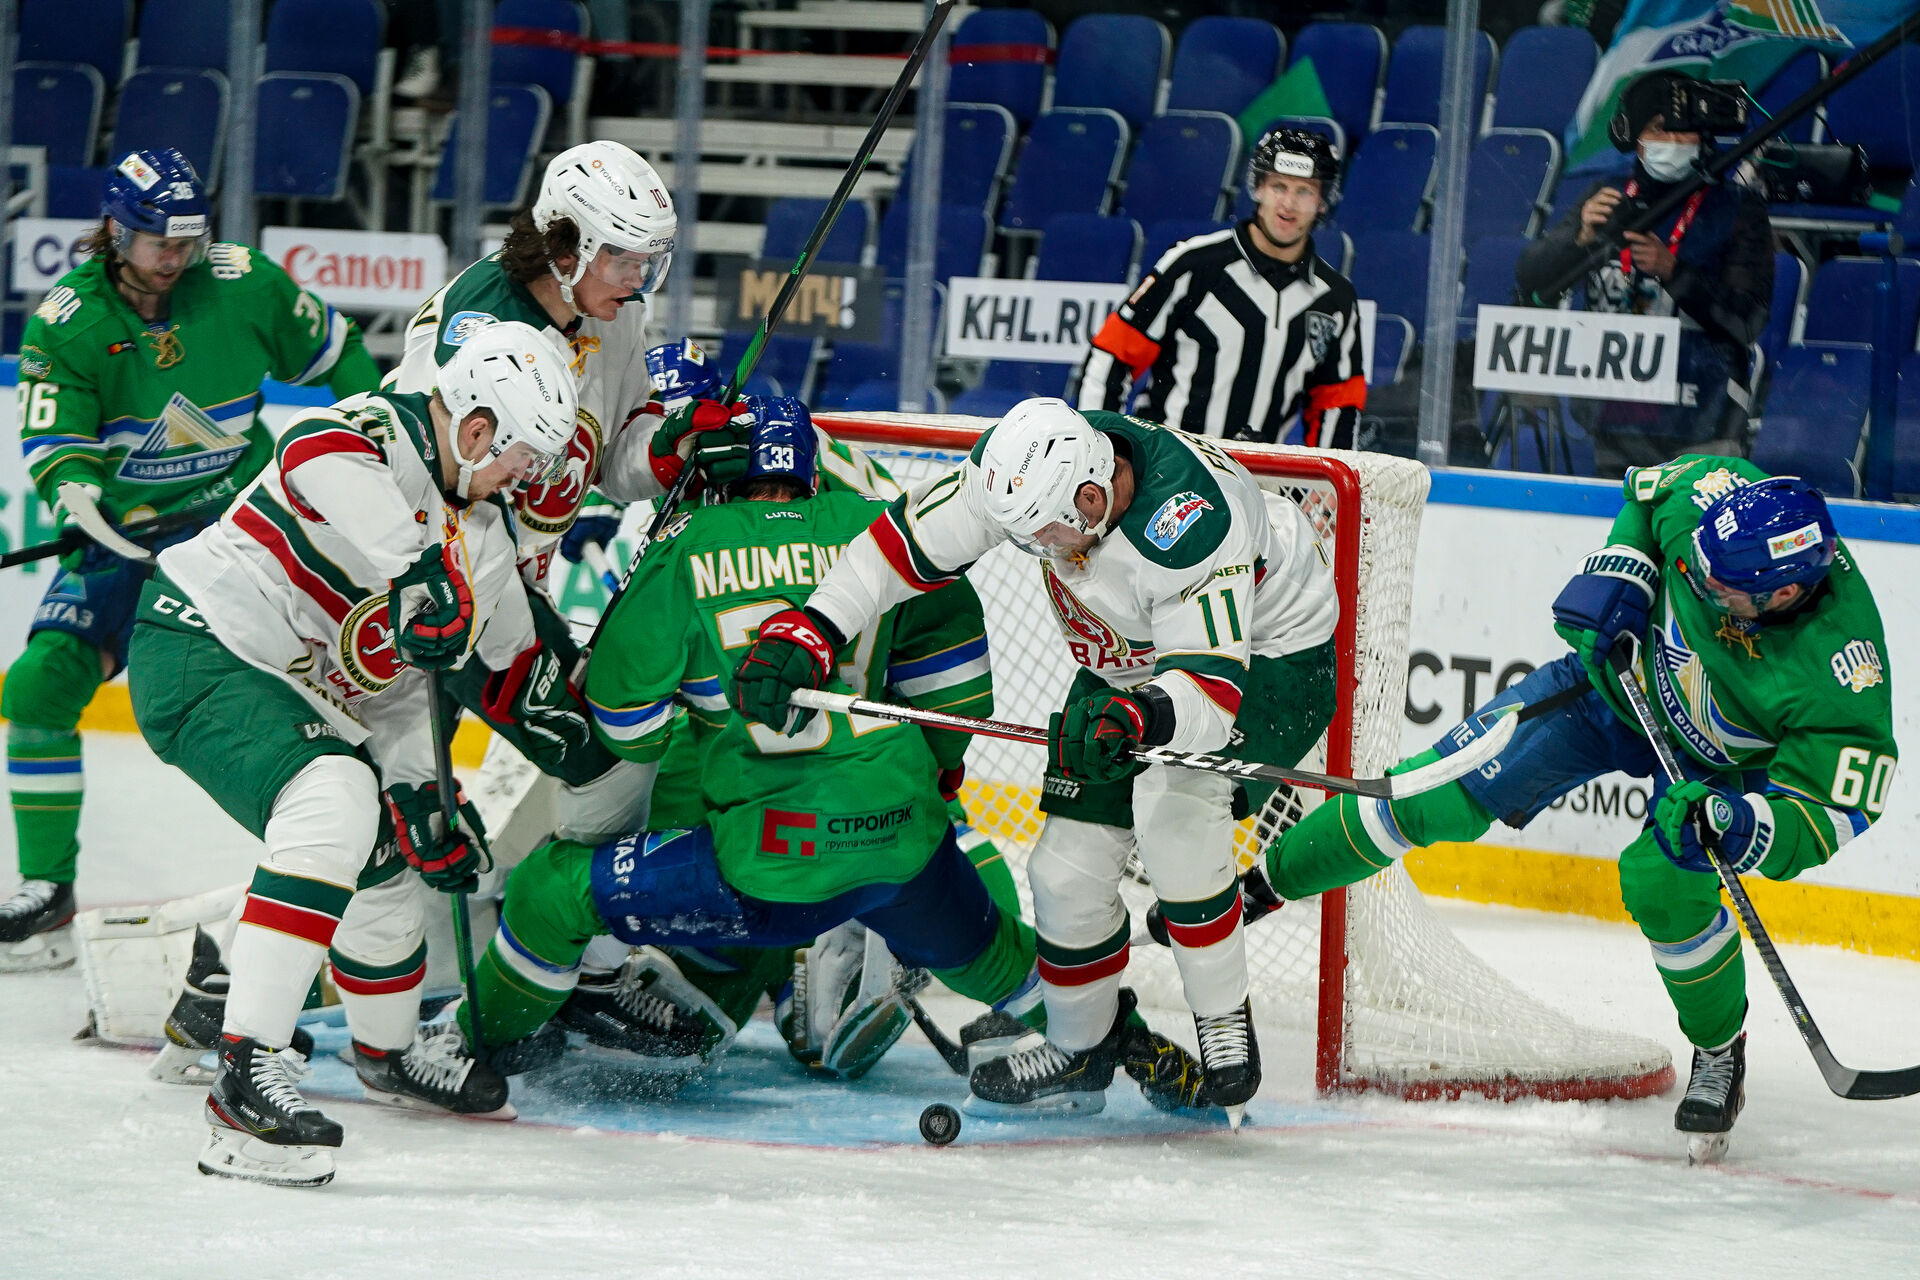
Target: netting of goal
point(1394, 1000)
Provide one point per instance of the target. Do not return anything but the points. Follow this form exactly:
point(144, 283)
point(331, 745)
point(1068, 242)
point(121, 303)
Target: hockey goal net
point(1394, 1000)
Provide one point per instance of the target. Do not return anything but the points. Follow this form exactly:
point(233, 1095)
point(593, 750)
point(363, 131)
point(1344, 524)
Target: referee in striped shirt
point(1247, 327)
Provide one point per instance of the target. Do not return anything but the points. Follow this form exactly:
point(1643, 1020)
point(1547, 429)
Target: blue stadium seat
point(1222, 64)
point(1002, 56)
point(1512, 171)
point(75, 192)
point(1789, 295)
point(517, 117)
point(1184, 164)
point(1393, 342)
point(1413, 76)
point(1390, 267)
point(882, 395)
point(553, 69)
point(1348, 57)
point(1543, 72)
point(56, 105)
point(1162, 236)
point(184, 33)
point(1907, 222)
point(1077, 246)
point(1390, 179)
point(856, 364)
point(1489, 279)
point(960, 241)
point(1069, 165)
point(1800, 74)
point(1906, 430)
point(1815, 412)
point(786, 361)
point(1879, 110)
point(1116, 61)
point(792, 219)
point(975, 149)
point(338, 36)
point(303, 134)
point(1840, 306)
point(93, 32)
point(183, 109)
point(1089, 246)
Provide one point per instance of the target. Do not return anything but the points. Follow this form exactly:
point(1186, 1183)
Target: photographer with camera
point(1710, 262)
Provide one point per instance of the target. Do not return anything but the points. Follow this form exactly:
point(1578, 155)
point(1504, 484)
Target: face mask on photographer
point(1668, 161)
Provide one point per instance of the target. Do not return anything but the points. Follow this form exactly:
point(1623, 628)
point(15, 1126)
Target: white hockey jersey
point(294, 577)
point(1203, 571)
point(609, 449)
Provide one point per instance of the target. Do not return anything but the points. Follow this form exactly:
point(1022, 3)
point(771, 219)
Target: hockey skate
point(1716, 1092)
point(991, 1035)
point(1258, 900)
point(1230, 1060)
point(646, 1008)
point(1040, 1078)
point(434, 1073)
point(193, 1027)
point(1169, 1077)
point(36, 927)
point(262, 1129)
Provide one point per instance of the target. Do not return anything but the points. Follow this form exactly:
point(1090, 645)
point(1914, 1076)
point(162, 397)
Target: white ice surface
point(100, 1180)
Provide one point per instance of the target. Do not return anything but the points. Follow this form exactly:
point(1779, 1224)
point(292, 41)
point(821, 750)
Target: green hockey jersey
point(164, 418)
point(1806, 698)
point(848, 801)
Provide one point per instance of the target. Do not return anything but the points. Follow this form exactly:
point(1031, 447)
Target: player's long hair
point(99, 243)
point(527, 250)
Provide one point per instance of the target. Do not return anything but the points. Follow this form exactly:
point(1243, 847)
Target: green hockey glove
point(715, 438)
point(431, 608)
point(793, 650)
point(450, 861)
point(1094, 738)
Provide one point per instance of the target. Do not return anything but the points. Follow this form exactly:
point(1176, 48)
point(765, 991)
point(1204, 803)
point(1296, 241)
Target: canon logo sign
point(360, 269)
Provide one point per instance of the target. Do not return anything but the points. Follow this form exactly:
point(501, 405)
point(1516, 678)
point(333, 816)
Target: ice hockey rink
point(758, 1171)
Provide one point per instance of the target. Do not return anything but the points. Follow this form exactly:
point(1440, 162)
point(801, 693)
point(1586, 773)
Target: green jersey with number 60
point(846, 802)
point(163, 417)
point(1807, 697)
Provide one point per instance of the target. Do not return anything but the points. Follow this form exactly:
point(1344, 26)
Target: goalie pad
point(133, 961)
point(849, 1001)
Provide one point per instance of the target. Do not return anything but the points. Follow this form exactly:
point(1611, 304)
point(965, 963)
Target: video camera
point(1708, 107)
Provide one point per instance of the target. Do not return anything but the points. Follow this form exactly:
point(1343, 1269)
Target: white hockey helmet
point(620, 207)
point(525, 377)
point(1035, 462)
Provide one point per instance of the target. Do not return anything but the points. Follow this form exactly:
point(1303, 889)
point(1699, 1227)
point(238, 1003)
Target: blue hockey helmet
point(783, 443)
point(681, 372)
point(1762, 537)
point(157, 192)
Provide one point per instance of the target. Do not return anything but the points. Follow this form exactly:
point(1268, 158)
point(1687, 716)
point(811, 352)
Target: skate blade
point(232, 1154)
point(1235, 1117)
point(1706, 1148)
point(50, 950)
point(1059, 1106)
point(407, 1102)
point(177, 1064)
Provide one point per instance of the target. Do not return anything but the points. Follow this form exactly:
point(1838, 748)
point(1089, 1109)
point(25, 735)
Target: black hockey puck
point(939, 1124)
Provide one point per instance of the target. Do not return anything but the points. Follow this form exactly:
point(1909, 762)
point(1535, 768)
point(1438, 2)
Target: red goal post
point(1394, 1001)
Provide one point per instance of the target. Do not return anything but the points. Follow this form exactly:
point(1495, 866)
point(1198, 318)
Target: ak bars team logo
point(1175, 516)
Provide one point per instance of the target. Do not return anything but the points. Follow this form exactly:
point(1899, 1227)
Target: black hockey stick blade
point(1858, 1086)
point(75, 538)
point(943, 1044)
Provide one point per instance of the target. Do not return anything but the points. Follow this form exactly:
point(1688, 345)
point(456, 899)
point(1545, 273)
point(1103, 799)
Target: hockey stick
point(1846, 1081)
point(449, 812)
point(751, 357)
point(943, 1044)
point(76, 537)
point(1393, 787)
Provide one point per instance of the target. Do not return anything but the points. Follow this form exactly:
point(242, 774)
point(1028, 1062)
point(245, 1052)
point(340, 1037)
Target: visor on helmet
point(635, 270)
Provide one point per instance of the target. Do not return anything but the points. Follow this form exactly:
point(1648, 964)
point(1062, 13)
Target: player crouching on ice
point(840, 820)
point(1761, 651)
point(281, 659)
point(1201, 611)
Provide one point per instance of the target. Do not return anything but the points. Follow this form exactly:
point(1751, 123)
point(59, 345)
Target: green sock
point(44, 777)
point(528, 970)
point(1000, 968)
point(1350, 837)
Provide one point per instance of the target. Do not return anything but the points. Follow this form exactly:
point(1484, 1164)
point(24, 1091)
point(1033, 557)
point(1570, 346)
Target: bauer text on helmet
point(525, 378)
point(1032, 469)
point(622, 211)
